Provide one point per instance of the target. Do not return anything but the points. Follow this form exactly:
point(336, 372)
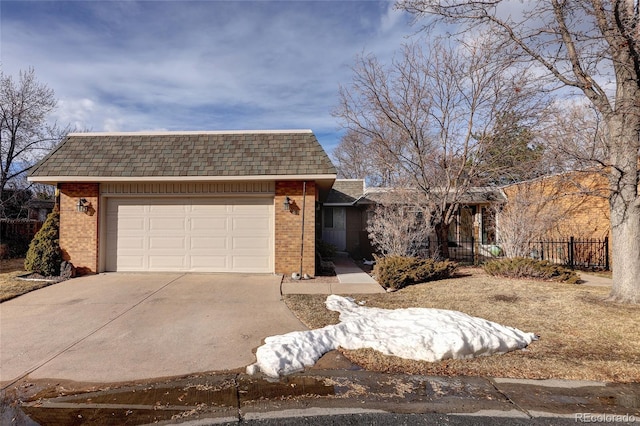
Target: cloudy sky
point(197, 65)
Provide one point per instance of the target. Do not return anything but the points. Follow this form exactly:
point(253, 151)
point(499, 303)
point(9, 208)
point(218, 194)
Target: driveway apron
point(120, 327)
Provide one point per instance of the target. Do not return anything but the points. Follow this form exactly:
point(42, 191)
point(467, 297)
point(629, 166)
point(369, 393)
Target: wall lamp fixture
point(83, 205)
point(287, 204)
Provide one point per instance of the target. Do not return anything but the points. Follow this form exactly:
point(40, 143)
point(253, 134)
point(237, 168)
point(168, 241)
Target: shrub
point(397, 272)
point(44, 256)
point(325, 250)
point(522, 267)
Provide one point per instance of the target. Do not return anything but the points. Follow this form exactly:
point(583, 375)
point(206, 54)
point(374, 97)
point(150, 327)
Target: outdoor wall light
point(83, 205)
point(287, 204)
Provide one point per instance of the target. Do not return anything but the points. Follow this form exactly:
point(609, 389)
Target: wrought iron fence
point(571, 252)
point(574, 253)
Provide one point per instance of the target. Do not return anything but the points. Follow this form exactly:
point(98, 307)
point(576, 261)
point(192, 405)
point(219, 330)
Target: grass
point(582, 335)
point(10, 287)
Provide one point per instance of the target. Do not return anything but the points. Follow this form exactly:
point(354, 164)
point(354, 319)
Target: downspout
point(304, 200)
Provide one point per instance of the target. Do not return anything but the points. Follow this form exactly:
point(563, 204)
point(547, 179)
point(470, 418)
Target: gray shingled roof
point(345, 191)
point(190, 154)
point(473, 195)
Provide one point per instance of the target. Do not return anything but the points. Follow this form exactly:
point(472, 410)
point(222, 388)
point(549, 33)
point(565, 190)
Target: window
point(488, 226)
point(334, 218)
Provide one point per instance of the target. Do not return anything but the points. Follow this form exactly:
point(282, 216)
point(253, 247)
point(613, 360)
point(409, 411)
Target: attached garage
point(190, 234)
point(238, 201)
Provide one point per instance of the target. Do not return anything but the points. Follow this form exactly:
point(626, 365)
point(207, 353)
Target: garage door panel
point(210, 208)
point(131, 223)
point(167, 243)
point(131, 243)
point(205, 263)
point(166, 224)
point(251, 244)
point(209, 224)
point(209, 243)
point(250, 209)
point(131, 263)
point(167, 208)
point(251, 224)
point(197, 234)
point(166, 262)
point(249, 263)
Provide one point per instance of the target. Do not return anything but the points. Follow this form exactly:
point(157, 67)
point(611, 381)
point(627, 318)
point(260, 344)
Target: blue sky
point(201, 65)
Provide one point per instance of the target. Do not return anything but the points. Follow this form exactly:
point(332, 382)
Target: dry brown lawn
point(582, 335)
point(11, 287)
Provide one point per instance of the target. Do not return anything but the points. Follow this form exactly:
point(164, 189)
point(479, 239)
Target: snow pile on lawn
point(414, 333)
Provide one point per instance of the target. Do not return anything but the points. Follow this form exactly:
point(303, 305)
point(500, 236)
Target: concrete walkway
point(118, 327)
point(595, 280)
point(351, 280)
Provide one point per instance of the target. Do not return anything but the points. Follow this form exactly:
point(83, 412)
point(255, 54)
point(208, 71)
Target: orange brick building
point(575, 204)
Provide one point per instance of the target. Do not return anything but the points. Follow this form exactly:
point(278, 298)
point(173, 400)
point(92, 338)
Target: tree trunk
point(625, 244)
point(442, 232)
point(624, 206)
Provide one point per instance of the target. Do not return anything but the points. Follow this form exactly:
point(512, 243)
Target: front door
point(334, 229)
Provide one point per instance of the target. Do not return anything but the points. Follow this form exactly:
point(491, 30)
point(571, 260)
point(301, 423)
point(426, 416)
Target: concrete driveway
point(120, 327)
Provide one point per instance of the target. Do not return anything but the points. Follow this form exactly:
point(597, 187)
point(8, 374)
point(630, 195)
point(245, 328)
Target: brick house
point(189, 201)
point(350, 204)
point(577, 202)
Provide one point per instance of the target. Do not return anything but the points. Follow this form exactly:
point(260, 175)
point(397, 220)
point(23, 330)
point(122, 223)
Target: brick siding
point(581, 198)
point(288, 228)
point(79, 231)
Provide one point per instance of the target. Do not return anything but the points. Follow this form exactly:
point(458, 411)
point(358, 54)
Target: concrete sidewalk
point(594, 280)
point(351, 280)
point(118, 327)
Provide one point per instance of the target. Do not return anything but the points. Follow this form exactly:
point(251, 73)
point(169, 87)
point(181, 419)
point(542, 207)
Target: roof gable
point(186, 154)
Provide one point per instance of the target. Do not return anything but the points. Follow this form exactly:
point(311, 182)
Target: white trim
point(94, 179)
point(192, 132)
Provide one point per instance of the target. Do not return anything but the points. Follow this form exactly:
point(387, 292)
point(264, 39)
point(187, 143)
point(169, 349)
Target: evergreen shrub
point(396, 272)
point(522, 267)
point(44, 255)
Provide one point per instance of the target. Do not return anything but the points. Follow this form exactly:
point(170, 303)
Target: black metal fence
point(571, 252)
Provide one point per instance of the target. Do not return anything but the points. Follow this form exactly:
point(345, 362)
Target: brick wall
point(79, 231)
point(580, 200)
point(288, 228)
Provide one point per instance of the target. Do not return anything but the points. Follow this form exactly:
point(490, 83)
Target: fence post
point(473, 251)
point(571, 249)
point(606, 252)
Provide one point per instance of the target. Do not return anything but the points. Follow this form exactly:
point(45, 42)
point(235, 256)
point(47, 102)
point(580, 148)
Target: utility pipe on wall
point(304, 200)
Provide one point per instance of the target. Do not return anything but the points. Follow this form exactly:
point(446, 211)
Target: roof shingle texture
point(345, 191)
point(192, 154)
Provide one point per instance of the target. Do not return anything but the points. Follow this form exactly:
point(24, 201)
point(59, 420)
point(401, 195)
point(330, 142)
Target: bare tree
point(25, 134)
point(592, 46)
point(530, 215)
point(398, 228)
point(431, 116)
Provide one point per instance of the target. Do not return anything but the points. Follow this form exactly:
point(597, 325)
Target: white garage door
point(195, 234)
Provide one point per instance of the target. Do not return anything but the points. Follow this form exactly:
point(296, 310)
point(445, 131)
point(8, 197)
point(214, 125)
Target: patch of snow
point(413, 333)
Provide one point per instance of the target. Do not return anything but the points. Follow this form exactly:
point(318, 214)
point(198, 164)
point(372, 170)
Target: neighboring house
point(577, 203)
point(350, 204)
point(189, 201)
point(40, 209)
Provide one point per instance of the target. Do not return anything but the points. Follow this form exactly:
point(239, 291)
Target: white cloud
point(197, 65)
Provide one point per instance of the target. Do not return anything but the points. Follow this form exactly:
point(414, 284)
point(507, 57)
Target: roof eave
point(98, 179)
